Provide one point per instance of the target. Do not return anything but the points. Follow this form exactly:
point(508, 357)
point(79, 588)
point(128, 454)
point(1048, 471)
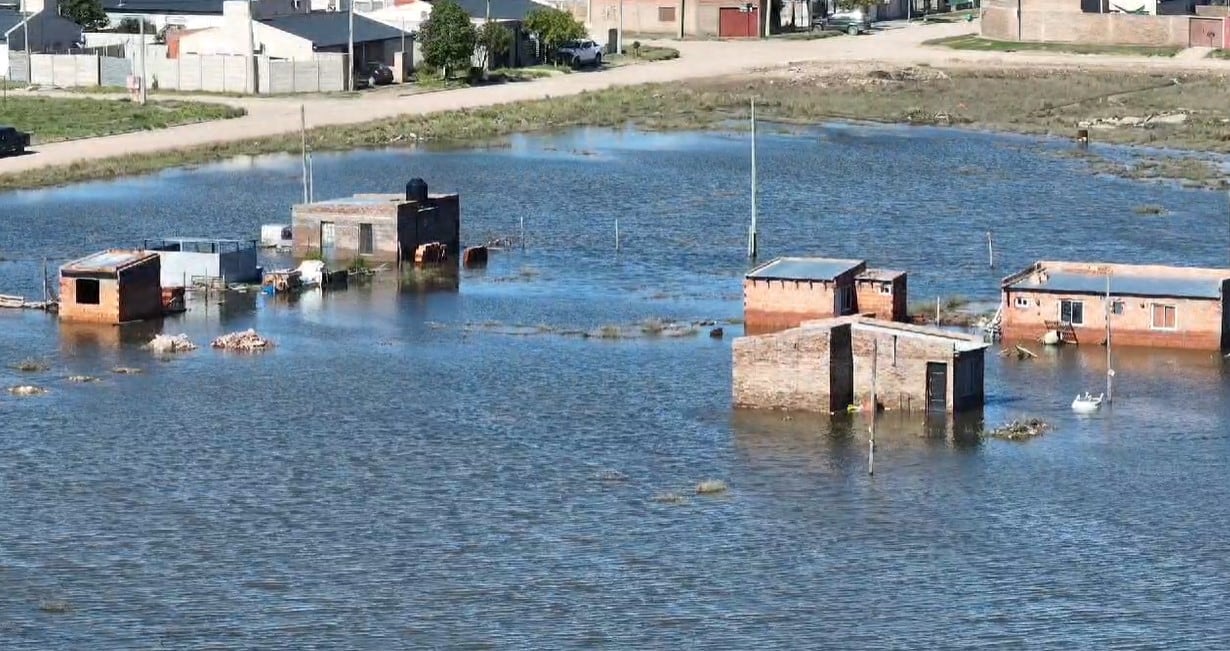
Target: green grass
point(970, 42)
point(808, 36)
point(1219, 54)
point(51, 119)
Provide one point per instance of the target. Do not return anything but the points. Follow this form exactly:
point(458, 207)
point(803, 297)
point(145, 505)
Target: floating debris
point(164, 344)
point(82, 379)
point(247, 341)
point(717, 333)
point(126, 370)
point(55, 606)
point(31, 366)
point(710, 487)
point(1020, 430)
point(27, 390)
point(669, 498)
point(612, 475)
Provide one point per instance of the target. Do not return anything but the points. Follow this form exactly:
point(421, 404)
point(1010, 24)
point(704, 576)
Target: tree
point(87, 13)
point(448, 37)
point(495, 39)
point(552, 28)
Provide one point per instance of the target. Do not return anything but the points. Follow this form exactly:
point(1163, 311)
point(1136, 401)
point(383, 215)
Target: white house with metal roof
point(41, 21)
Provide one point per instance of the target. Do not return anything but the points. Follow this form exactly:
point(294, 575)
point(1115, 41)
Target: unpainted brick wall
point(788, 370)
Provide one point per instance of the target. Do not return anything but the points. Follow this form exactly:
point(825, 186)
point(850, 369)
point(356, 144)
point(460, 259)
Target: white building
point(47, 30)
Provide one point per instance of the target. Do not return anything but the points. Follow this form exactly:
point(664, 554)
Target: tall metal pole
point(619, 37)
point(1110, 371)
point(141, 38)
point(25, 27)
point(303, 150)
point(751, 232)
point(350, 43)
point(871, 442)
point(768, 11)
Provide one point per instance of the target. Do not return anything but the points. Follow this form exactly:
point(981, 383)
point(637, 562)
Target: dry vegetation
point(1033, 101)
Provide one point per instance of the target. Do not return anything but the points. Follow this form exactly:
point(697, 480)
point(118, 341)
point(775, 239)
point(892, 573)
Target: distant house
point(1102, 22)
point(378, 227)
point(111, 287)
point(827, 365)
point(785, 292)
point(284, 32)
point(48, 32)
point(190, 260)
point(182, 14)
point(1172, 307)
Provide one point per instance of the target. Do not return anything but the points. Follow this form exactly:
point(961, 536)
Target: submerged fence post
point(522, 236)
point(937, 310)
point(616, 234)
point(990, 251)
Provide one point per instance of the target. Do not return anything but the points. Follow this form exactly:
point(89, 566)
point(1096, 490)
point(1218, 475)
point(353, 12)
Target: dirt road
point(272, 116)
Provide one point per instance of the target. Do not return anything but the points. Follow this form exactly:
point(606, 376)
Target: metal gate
point(739, 22)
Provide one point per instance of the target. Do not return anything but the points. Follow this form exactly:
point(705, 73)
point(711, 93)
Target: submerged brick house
point(785, 292)
point(827, 365)
point(378, 227)
point(1150, 305)
point(112, 287)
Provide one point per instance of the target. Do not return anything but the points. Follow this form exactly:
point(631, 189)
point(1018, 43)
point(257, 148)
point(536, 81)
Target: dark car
point(372, 74)
point(851, 22)
point(12, 141)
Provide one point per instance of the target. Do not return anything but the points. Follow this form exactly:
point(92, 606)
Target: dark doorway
point(937, 386)
point(366, 243)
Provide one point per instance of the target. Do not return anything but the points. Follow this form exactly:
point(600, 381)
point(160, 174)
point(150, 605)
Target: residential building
point(164, 14)
point(40, 19)
point(187, 261)
point(378, 227)
point(1171, 307)
point(785, 292)
point(827, 365)
point(111, 287)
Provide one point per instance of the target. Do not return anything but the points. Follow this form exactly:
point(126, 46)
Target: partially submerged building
point(378, 227)
point(111, 287)
point(785, 292)
point(188, 261)
point(1149, 305)
point(827, 365)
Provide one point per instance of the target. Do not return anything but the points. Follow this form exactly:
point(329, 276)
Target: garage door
point(1205, 32)
point(734, 22)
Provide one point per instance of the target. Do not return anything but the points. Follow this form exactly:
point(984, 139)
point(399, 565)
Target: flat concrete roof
point(109, 261)
point(960, 341)
point(1063, 282)
point(883, 275)
point(803, 269)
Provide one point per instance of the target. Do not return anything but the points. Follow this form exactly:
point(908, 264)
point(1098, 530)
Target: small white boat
point(1088, 403)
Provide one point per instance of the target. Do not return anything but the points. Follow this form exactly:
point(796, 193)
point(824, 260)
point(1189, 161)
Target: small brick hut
point(112, 287)
point(785, 292)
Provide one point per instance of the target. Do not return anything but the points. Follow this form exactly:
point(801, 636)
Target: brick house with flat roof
point(785, 292)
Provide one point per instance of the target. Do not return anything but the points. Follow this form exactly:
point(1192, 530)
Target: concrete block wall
point(999, 21)
point(65, 70)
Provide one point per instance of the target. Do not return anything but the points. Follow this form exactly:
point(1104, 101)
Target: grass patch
point(51, 119)
point(1219, 54)
point(32, 366)
point(1026, 100)
point(971, 42)
point(814, 35)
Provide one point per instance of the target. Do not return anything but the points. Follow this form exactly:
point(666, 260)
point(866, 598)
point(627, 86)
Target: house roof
point(881, 275)
point(1120, 285)
point(110, 261)
point(803, 269)
point(162, 6)
point(330, 28)
point(8, 20)
point(961, 342)
point(501, 9)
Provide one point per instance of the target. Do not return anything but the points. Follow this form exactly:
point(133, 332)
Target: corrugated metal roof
point(329, 28)
point(113, 260)
point(1121, 285)
point(803, 269)
point(170, 7)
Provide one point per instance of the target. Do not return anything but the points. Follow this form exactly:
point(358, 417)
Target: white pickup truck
point(581, 53)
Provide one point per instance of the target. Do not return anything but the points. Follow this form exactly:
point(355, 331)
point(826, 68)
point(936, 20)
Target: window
point(1116, 307)
point(1071, 312)
point(87, 291)
point(1021, 302)
point(366, 244)
point(1163, 316)
point(886, 288)
point(666, 14)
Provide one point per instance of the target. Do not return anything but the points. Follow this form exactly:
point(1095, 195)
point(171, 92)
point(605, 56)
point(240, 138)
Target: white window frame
point(1020, 302)
point(1073, 302)
point(1153, 314)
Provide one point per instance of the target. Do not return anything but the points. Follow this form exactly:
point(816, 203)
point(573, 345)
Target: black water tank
point(416, 190)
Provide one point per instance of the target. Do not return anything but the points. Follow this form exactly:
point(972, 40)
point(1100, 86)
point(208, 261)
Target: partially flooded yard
point(423, 463)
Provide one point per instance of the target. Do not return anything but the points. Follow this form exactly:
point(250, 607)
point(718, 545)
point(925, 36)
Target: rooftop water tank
point(416, 190)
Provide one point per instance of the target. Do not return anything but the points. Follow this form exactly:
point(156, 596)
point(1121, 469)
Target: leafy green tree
point(552, 28)
point(496, 40)
point(448, 37)
point(87, 13)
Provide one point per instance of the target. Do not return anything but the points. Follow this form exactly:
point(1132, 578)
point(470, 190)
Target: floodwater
point(401, 473)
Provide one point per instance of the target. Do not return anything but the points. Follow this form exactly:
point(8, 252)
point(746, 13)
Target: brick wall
point(871, 299)
point(1199, 322)
point(141, 291)
point(778, 304)
point(788, 370)
point(1041, 22)
point(901, 369)
point(107, 310)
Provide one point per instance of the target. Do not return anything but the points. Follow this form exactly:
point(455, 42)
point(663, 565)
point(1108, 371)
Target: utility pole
point(141, 39)
point(487, 56)
point(350, 43)
point(619, 37)
point(25, 27)
point(1110, 371)
point(249, 81)
point(768, 11)
point(871, 442)
point(751, 232)
point(303, 155)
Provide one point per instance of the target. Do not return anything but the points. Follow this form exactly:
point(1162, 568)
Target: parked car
point(581, 53)
point(373, 74)
point(12, 141)
point(852, 22)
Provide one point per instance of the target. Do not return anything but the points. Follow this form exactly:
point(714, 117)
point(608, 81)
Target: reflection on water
point(388, 477)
